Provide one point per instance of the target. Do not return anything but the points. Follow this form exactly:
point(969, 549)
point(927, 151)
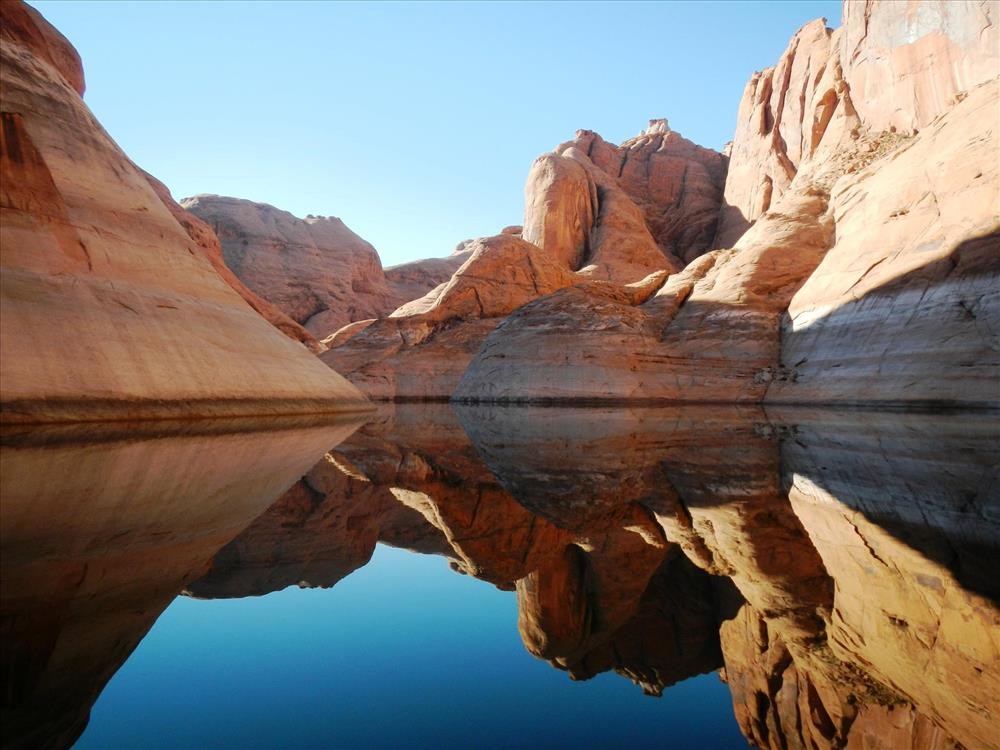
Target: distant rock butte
point(109, 309)
point(315, 270)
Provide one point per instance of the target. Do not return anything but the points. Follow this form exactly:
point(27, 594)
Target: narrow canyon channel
point(448, 576)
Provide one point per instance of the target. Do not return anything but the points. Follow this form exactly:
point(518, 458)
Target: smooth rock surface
point(108, 309)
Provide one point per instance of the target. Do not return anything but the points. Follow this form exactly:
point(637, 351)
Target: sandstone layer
point(805, 307)
point(423, 347)
point(315, 270)
point(109, 309)
point(208, 242)
point(619, 212)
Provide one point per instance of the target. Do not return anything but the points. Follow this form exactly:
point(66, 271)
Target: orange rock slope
point(861, 205)
point(109, 309)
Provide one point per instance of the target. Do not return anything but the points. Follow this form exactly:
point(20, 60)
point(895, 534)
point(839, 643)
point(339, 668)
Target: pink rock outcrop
point(316, 270)
point(109, 309)
point(614, 219)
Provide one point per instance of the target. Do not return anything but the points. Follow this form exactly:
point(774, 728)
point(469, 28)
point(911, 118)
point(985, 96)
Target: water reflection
point(101, 531)
point(840, 569)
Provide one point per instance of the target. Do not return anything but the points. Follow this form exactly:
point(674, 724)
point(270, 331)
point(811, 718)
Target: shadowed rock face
point(136, 322)
point(101, 530)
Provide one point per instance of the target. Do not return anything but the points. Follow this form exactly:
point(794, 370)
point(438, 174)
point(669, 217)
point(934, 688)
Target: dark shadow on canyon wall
point(927, 338)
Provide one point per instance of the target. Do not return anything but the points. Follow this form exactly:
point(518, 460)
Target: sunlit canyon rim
point(702, 415)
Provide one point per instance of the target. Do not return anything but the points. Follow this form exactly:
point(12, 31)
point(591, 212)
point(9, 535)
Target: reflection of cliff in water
point(100, 532)
point(839, 568)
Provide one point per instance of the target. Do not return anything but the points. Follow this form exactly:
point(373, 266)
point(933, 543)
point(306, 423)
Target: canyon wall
point(863, 241)
point(109, 309)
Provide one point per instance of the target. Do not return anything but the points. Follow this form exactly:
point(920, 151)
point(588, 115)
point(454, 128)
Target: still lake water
point(454, 577)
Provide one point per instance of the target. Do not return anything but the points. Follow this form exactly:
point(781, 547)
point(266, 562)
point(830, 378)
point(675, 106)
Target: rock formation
point(805, 306)
point(315, 270)
point(109, 309)
point(620, 212)
point(422, 349)
point(206, 239)
point(615, 219)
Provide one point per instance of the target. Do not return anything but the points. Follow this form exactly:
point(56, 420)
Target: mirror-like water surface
point(706, 577)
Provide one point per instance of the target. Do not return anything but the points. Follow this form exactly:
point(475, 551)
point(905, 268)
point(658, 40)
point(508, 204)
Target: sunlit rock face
point(208, 242)
point(102, 528)
point(316, 270)
point(423, 347)
point(914, 316)
point(108, 308)
point(620, 212)
point(611, 220)
point(804, 305)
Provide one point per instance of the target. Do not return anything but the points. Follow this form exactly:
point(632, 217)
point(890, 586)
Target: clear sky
point(415, 123)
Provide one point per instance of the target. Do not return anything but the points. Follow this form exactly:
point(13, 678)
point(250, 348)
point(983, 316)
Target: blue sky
point(415, 123)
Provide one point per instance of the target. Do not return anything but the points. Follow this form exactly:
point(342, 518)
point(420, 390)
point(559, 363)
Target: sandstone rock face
point(316, 270)
point(710, 333)
point(612, 219)
point(620, 212)
point(915, 316)
point(135, 321)
point(205, 238)
point(782, 117)
point(422, 349)
point(410, 281)
point(906, 64)
point(805, 306)
point(101, 531)
point(890, 67)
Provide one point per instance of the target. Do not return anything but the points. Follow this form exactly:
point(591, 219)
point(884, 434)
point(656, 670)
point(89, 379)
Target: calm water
point(503, 578)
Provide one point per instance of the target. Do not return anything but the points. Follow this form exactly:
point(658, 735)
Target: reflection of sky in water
point(402, 653)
